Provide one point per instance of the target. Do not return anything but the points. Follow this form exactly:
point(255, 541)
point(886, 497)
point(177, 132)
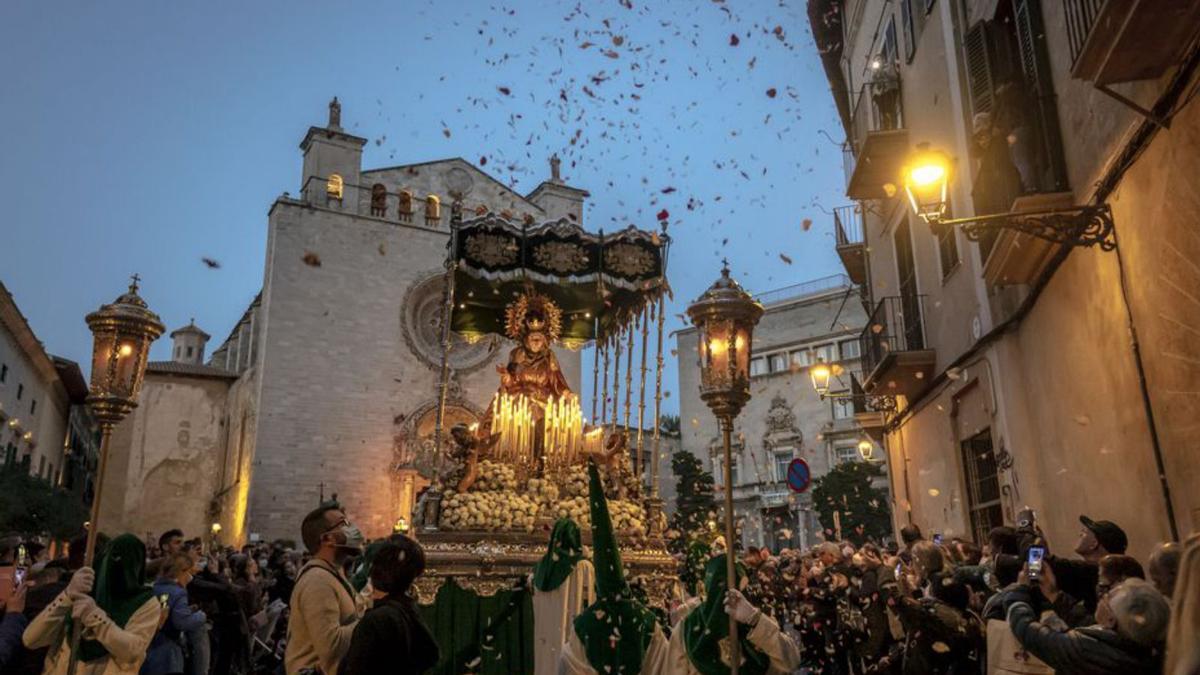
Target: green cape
point(706, 625)
point(566, 549)
point(120, 588)
point(362, 571)
point(615, 629)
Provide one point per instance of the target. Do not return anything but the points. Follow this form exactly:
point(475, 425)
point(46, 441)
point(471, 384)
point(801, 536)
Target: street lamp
point(865, 449)
point(820, 373)
point(926, 178)
point(725, 316)
point(121, 336)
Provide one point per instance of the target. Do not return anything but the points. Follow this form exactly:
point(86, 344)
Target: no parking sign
point(798, 475)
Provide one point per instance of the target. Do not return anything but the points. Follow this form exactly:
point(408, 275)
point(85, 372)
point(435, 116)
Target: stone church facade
point(328, 385)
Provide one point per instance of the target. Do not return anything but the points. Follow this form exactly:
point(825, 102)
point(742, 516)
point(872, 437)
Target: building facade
point(328, 384)
point(1026, 372)
point(34, 402)
point(817, 321)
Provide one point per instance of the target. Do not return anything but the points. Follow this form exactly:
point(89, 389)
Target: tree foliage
point(863, 508)
point(32, 506)
point(694, 501)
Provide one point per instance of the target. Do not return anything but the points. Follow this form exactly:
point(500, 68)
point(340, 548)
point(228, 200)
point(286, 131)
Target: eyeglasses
point(340, 523)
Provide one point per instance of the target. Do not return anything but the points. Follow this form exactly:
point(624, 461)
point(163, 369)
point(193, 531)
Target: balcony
point(895, 358)
point(870, 419)
point(1114, 41)
point(878, 139)
point(851, 242)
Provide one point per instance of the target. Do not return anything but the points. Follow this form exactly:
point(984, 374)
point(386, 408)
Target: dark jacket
point(1077, 578)
point(11, 626)
point(1082, 651)
point(390, 633)
point(940, 638)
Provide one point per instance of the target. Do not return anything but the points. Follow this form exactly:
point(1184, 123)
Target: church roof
point(527, 197)
point(191, 369)
point(190, 328)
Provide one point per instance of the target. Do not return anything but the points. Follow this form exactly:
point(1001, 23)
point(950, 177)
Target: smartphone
point(899, 569)
point(937, 539)
point(1036, 553)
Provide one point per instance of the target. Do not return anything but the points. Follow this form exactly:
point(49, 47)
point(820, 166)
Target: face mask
point(354, 537)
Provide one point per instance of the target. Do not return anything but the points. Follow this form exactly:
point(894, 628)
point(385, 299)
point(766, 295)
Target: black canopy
point(599, 281)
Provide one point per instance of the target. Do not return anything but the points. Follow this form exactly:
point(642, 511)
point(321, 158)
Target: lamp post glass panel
point(820, 373)
point(926, 181)
point(725, 316)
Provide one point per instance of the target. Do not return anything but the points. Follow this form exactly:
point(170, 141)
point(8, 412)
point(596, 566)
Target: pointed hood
point(616, 629)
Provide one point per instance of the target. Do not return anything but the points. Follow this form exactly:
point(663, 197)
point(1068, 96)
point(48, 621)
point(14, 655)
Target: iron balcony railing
point(1080, 15)
point(877, 107)
point(814, 287)
point(895, 326)
point(848, 225)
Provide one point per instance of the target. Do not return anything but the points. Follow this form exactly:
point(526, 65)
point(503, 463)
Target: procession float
point(499, 483)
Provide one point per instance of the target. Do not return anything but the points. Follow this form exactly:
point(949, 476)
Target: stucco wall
point(165, 458)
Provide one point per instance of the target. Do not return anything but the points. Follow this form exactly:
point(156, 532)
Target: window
point(758, 367)
point(824, 353)
point(843, 408)
point(801, 358)
point(433, 208)
point(779, 363)
point(782, 459)
point(33, 407)
point(849, 349)
point(983, 486)
point(189, 352)
point(42, 467)
point(177, 351)
point(334, 187)
point(719, 463)
point(378, 200)
point(3, 372)
point(846, 453)
point(20, 391)
point(947, 249)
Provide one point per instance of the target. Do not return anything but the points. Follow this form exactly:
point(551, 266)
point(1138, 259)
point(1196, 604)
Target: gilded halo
point(515, 313)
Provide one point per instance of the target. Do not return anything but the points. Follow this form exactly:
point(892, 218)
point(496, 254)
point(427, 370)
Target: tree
point(862, 508)
point(694, 501)
point(669, 424)
point(32, 506)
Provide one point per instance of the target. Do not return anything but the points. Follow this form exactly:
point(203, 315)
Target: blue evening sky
point(146, 135)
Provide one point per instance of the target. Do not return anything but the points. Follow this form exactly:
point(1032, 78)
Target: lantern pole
point(662, 309)
point(122, 329)
point(616, 413)
point(628, 378)
point(595, 368)
point(604, 390)
point(447, 310)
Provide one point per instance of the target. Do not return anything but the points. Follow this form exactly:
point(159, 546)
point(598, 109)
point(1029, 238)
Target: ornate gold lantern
point(726, 316)
point(121, 336)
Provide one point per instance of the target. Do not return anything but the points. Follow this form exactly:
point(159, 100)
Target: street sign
point(798, 475)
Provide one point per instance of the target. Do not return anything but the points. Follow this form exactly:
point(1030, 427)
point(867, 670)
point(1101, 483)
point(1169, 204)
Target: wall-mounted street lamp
point(926, 180)
point(866, 449)
point(823, 373)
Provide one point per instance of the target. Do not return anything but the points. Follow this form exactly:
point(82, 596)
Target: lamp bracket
point(1085, 226)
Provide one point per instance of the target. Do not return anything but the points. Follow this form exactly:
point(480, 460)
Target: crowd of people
point(341, 607)
point(1012, 605)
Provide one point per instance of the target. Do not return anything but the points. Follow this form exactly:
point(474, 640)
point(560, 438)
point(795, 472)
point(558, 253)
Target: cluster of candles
point(562, 436)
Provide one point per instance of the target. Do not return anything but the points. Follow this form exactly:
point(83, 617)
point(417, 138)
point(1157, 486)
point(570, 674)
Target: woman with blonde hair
point(1183, 634)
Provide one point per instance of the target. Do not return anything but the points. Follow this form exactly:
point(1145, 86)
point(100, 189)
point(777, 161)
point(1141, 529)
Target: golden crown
point(532, 312)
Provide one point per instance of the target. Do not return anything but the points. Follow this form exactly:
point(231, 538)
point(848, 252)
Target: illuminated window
point(433, 208)
point(333, 188)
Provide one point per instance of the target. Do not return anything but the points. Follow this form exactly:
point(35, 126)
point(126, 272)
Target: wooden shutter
point(1035, 66)
point(980, 82)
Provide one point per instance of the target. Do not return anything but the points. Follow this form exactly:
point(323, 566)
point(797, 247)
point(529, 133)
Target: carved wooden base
point(489, 562)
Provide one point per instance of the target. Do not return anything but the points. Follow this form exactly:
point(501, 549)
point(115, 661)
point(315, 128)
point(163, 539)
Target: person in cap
point(700, 640)
point(616, 634)
point(562, 586)
point(118, 611)
point(1079, 577)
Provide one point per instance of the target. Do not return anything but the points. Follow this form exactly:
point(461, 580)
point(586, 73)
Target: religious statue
point(534, 322)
